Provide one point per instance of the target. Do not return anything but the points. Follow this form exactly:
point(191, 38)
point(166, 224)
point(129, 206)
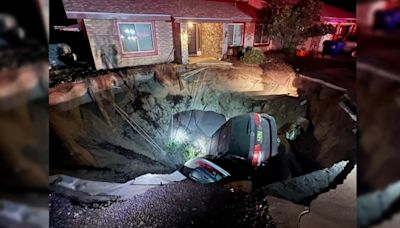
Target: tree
point(292, 24)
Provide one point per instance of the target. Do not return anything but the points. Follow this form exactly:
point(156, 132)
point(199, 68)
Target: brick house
point(140, 32)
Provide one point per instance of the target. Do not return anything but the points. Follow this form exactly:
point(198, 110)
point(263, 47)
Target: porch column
point(184, 43)
point(180, 42)
point(224, 41)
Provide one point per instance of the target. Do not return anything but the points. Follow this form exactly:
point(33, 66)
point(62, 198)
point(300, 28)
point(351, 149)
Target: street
point(339, 72)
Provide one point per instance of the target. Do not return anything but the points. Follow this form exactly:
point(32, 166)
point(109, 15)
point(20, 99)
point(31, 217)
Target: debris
point(188, 75)
point(303, 188)
point(372, 207)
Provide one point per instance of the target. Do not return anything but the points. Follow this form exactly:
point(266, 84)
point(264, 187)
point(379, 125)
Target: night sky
point(349, 5)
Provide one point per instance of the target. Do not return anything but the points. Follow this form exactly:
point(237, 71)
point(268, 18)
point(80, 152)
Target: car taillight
point(256, 154)
point(257, 120)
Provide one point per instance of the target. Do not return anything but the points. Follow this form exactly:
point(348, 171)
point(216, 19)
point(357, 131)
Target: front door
point(192, 39)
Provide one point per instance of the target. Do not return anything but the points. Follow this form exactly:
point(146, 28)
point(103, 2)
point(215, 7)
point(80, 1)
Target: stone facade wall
point(184, 43)
point(106, 47)
point(211, 39)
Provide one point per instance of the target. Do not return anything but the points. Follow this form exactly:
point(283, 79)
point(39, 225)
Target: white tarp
point(125, 190)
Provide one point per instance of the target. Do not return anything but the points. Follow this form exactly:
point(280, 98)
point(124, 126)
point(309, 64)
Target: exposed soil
point(153, 102)
point(77, 72)
point(120, 153)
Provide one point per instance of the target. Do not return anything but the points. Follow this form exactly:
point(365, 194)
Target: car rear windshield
point(240, 136)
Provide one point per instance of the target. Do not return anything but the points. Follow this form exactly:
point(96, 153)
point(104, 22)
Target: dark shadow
point(109, 56)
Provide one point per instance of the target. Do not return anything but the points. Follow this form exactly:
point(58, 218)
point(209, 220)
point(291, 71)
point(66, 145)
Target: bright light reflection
point(180, 136)
point(201, 143)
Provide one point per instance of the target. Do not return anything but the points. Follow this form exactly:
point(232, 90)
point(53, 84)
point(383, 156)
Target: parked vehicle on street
point(203, 171)
point(332, 47)
point(347, 46)
point(350, 45)
point(251, 137)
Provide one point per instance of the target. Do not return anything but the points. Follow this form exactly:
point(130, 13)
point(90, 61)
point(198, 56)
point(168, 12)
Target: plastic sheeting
point(125, 190)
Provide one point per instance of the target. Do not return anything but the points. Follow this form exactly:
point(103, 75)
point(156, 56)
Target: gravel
point(183, 204)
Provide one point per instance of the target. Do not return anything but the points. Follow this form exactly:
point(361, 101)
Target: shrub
point(254, 56)
point(292, 24)
point(172, 147)
point(184, 150)
point(190, 152)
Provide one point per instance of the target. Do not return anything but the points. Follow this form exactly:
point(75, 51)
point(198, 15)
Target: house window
point(260, 36)
point(136, 37)
point(343, 31)
point(235, 34)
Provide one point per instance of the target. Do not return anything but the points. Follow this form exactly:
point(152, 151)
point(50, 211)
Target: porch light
point(190, 24)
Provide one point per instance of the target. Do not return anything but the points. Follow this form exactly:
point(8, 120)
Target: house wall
point(107, 51)
point(249, 31)
point(211, 39)
point(177, 42)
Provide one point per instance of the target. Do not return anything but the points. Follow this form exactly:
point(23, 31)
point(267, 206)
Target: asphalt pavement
point(340, 72)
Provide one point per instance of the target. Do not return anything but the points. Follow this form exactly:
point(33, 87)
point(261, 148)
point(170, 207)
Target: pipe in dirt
point(327, 84)
point(348, 111)
point(307, 210)
point(141, 131)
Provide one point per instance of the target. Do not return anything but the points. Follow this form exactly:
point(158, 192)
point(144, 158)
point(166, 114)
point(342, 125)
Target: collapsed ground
point(179, 109)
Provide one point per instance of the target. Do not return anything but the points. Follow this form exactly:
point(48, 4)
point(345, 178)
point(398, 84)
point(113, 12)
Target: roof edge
point(104, 15)
point(232, 19)
point(157, 17)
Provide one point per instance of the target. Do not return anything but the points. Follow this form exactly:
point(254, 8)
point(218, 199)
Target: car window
point(240, 135)
point(202, 176)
